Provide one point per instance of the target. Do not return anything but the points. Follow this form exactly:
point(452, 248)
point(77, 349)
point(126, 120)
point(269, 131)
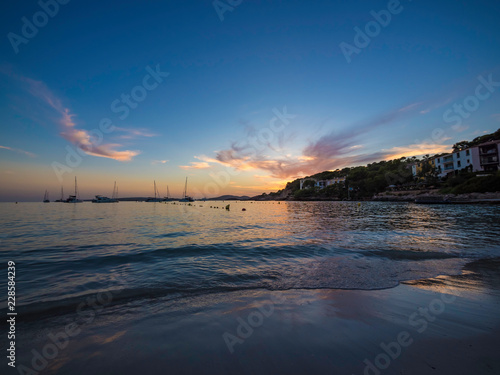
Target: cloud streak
point(135, 133)
point(196, 165)
point(78, 137)
point(19, 151)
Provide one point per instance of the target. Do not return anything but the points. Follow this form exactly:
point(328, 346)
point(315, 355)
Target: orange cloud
point(329, 152)
point(196, 165)
point(416, 150)
point(78, 137)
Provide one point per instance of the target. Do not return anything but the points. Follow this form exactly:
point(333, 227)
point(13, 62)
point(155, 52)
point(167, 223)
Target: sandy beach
point(444, 325)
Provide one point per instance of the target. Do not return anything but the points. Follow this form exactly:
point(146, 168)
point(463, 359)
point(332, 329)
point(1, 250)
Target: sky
point(238, 96)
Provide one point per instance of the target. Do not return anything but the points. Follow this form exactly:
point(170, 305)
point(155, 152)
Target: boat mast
point(186, 188)
point(75, 188)
point(168, 192)
point(62, 194)
point(155, 188)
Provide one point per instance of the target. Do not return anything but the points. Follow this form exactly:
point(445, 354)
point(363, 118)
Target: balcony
point(488, 151)
point(489, 160)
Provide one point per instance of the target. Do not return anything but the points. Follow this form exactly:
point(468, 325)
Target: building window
point(468, 161)
point(458, 164)
point(439, 161)
point(467, 153)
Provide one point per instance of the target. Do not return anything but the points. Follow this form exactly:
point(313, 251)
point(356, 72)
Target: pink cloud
point(79, 137)
point(19, 151)
point(196, 165)
point(329, 152)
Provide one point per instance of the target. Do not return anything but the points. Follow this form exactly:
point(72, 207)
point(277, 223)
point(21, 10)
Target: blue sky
point(215, 117)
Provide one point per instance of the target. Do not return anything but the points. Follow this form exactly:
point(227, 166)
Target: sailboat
point(103, 199)
point(62, 196)
point(167, 198)
point(74, 198)
point(186, 198)
point(157, 196)
point(46, 197)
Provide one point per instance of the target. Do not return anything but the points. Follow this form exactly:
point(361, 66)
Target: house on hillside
point(320, 183)
point(483, 157)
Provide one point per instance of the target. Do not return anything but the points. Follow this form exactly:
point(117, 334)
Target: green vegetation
point(366, 181)
point(361, 182)
point(465, 183)
point(462, 145)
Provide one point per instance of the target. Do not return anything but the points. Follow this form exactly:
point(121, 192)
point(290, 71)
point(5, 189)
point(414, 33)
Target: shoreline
point(446, 324)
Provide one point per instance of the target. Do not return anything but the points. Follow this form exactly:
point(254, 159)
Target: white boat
point(157, 196)
point(103, 199)
point(186, 197)
point(46, 197)
point(74, 198)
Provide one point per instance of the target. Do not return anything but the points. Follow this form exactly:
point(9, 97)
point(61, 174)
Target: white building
point(322, 183)
point(488, 156)
point(484, 157)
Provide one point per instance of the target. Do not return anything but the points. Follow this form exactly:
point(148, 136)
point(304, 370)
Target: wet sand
point(445, 325)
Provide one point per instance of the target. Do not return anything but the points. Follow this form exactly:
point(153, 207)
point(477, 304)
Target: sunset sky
point(239, 98)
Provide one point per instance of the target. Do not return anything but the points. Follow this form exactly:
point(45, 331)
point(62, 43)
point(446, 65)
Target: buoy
point(227, 207)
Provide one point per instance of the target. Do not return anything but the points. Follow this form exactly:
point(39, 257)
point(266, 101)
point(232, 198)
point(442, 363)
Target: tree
point(459, 146)
point(427, 170)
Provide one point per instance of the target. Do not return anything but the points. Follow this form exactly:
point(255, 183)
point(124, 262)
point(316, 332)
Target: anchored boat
point(74, 198)
point(103, 199)
point(186, 197)
point(157, 195)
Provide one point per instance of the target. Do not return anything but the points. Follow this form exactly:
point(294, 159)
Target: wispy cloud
point(333, 150)
point(135, 133)
point(19, 151)
point(460, 128)
point(435, 105)
point(154, 162)
point(416, 150)
point(79, 137)
point(336, 149)
point(196, 165)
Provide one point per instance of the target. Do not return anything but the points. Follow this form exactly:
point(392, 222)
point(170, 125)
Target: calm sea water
point(65, 252)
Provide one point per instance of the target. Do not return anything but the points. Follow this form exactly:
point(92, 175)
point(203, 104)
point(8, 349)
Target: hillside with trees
point(364, 182)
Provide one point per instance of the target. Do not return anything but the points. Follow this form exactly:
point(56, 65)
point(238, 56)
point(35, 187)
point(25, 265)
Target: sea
point(142, 251)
